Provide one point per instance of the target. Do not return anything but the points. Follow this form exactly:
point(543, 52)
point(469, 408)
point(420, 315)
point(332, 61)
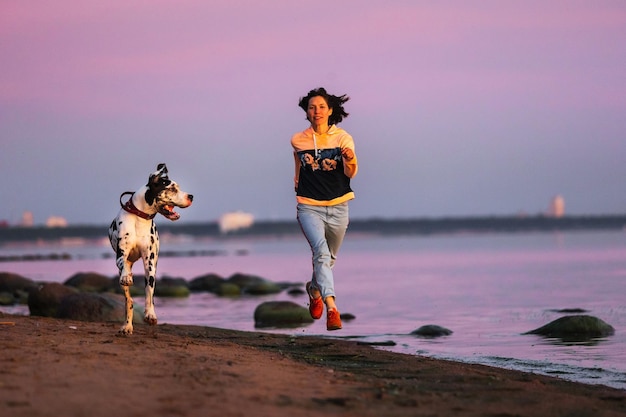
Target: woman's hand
point(348, 154)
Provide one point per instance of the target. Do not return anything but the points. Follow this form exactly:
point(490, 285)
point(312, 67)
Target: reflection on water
point(575, 341)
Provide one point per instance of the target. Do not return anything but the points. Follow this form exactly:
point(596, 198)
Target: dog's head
point(165, 194)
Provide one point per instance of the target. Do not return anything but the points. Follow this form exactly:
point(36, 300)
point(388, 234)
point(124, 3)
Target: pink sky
point(458, 107)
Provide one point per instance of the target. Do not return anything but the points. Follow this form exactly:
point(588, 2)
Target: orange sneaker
point(333, 320)
point(316, 305)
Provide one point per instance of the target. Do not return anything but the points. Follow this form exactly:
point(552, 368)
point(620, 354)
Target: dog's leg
point(150, 263)
point(127, 328)
point(124, 265)
point(126, 281)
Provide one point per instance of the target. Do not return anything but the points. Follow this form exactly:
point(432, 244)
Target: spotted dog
point(134, 236)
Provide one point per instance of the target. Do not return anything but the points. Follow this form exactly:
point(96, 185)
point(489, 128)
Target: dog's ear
point(162, 173)
point(157, 182)
point(159, 179)
point(162, 168)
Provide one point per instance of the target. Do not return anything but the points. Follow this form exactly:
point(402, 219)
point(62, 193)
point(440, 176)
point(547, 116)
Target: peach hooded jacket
point(322, 176)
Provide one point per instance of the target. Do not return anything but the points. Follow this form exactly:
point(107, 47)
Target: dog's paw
point(151, 320)
point(126, 280)
point(126, 329)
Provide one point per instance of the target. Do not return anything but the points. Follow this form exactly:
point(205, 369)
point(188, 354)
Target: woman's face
point(318, 111)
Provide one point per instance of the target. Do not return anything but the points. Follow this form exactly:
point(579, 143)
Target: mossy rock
point(281, 314)
point(137, 289)
point(227, 289)
point(171, 287)
point(245, 280)
point(7, 298)
point(254, 285)
point(263, 288)
point(174, 291)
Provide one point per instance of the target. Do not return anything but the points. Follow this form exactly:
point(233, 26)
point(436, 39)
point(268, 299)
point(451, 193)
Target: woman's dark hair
point(334, 102)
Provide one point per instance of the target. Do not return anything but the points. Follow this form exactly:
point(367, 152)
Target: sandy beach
point(54, 367)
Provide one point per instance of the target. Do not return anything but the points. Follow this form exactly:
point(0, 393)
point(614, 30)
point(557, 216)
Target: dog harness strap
point(130, 207)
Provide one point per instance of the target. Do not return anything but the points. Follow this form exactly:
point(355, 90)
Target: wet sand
point(52, 367)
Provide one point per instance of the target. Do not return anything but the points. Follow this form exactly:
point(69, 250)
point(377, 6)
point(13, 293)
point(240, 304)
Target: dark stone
point(263, 288)
point(226, 289)
point(137, 289)
point(46, 298)
point(171, 287)
point(384, 343)
point(7, 299)
point(347, 316)
point(208, 283)
point(15, 288)
point(254, 285)
point(296, 292)
point(87, 306)
point(97, 307)
point(10, 282)
point(245, 280)
point(432, 330)
point(281, 314)
point(578, 326)
point(570, 311)
point(90, 282)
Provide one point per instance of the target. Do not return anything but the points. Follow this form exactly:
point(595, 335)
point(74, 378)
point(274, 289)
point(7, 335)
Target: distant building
point(56, 221)
point(232, 221)
point(557, 207)
point(28, 220)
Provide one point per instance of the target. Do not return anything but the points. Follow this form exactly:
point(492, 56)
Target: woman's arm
point(297, 173)
point(350, 163)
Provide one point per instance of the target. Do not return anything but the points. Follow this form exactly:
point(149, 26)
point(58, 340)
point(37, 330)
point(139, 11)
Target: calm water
point(487, 288)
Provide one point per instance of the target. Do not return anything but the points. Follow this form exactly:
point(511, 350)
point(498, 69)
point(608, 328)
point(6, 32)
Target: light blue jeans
point(324, 228)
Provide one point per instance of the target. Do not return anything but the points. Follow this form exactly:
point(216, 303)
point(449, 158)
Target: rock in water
point(281, 314)
point(90, 282)
point(575, 326)
point(208, 282)
point(171, 287)
point(431, 330)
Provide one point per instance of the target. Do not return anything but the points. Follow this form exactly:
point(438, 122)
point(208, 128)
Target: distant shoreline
point(378, 226)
